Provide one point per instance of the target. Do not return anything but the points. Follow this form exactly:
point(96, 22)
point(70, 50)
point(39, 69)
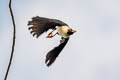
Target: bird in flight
point(42, 24)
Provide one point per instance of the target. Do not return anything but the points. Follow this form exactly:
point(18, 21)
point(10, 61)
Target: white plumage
point(62, 30)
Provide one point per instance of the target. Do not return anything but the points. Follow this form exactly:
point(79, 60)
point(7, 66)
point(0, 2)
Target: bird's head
point(71, 31)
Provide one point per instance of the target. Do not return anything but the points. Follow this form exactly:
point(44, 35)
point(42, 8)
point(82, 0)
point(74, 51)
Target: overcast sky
point(93, 52)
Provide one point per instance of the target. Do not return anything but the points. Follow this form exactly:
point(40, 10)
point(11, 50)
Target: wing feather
point(53, 54)
point(41, 25)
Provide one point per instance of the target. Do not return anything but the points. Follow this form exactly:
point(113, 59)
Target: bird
point(39, 25)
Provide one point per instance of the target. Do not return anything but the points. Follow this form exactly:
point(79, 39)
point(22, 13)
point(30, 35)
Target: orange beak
point(74, 31)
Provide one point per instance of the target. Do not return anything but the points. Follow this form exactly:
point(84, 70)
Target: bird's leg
point(62, 40)
point(50, 35)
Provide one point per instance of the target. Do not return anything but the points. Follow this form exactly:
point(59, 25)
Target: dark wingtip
point(29, 28)
point(50, 58)
point(49, 62)
point(29, 23)
point(34, 34)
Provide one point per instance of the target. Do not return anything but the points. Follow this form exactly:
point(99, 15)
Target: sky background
point(92, 53)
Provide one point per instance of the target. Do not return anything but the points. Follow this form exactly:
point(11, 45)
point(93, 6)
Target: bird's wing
point(41, 25)
point(52, 55)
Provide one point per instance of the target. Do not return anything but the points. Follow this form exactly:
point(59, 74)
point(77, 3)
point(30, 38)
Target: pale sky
point(91, 54)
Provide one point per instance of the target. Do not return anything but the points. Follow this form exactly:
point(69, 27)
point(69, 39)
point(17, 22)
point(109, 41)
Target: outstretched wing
point(52, 55)
point(41, 25)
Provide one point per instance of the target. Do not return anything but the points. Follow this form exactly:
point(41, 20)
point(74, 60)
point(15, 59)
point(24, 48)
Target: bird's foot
point(50, 35)
point(62, 40)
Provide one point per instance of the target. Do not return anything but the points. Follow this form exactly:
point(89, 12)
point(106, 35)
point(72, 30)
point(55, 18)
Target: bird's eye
point(69, 30)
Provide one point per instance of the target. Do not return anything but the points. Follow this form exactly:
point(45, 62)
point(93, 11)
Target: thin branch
point(13, 45)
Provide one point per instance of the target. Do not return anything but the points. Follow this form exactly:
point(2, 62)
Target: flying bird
point(39, 25)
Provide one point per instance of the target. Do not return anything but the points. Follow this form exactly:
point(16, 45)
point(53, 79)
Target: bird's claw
point(50, 35)
point(62, 41)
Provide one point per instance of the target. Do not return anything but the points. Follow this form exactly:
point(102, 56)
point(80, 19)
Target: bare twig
point(13, 45)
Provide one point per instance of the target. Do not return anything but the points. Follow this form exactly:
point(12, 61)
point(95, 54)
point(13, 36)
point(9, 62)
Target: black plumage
point(53, 54)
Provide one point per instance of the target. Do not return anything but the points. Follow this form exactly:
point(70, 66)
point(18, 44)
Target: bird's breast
point(62, 31)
